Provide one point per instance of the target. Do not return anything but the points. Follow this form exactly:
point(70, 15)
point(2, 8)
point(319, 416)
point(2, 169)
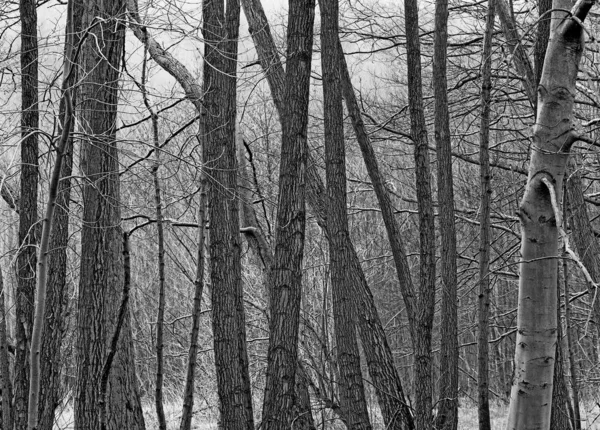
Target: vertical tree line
point(381, 296)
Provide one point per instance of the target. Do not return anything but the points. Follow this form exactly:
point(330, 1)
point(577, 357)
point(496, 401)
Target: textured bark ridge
point(553, 136)
point(279, 408)
point(220, 30)
point(28, 238)
point(101, 272)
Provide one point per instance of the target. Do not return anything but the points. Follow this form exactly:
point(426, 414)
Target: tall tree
point(483, 396)
point(280, 406)
point(28, 230)
point(447, 415)
point(426, 300)
point(101, 272)
point(215, 102)
point(220, 30)
point(351, 389)
point(553, 136)
point(57, 294)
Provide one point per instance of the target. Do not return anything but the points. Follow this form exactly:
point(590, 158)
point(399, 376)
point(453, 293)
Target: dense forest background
point(164, 175)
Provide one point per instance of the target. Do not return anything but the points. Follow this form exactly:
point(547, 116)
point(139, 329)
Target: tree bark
point(351, 389)
point(483, 397)
point(7, 421)
point(254, 234)
point(571, 351)
point(188, 392)
point(541, 42)
point(57, 294)
point(552, 138)
point(447, 415)
point(28, 230)
point(377, 351)
point(396, 412)
point(583, 236)
point(517, 50)
point(280, 406)
point(43, 261)
point(220, 30)
point(101, 274)
point(426, 301)
point(559, 418)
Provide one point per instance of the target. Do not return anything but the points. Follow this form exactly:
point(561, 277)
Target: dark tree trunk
point(101, 274)
point(220, 29)
point(255, 236)
point(280, 406)
point(571, 351)
point(426, 301)
point(26, 259)
point(57, 292)
point(375, 345)
point(483, 385)
point(583, 236)
point(541, 42)
point(447, 416)
point(188, 393)
point(6, 413)
point(351, 389)
point(560, 417)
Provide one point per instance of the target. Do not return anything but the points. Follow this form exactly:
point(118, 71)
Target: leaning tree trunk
point(539, 212)
point(26, 258)
point(351, 388)
point(57, 294)
point(101, 273)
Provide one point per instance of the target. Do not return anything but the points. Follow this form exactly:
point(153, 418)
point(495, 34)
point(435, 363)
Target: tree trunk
point(377, 352)
point(351, 389)
point(541, 42)
point(584, 237)
point(426, 301)
point(57, 294)
point(26, 258)
point(375, 345)
point(253, 232)
point(188, 393)
point(571, 351)
point(517, 50)
point(552, 138)
point(559, 419)
point(101, 274)
point(483, 385)
point(280, 406)
point(447, 416)
point(220, 30)
point(7, 421)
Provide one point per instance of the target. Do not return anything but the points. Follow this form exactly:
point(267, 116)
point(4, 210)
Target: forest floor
point(467, 419)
